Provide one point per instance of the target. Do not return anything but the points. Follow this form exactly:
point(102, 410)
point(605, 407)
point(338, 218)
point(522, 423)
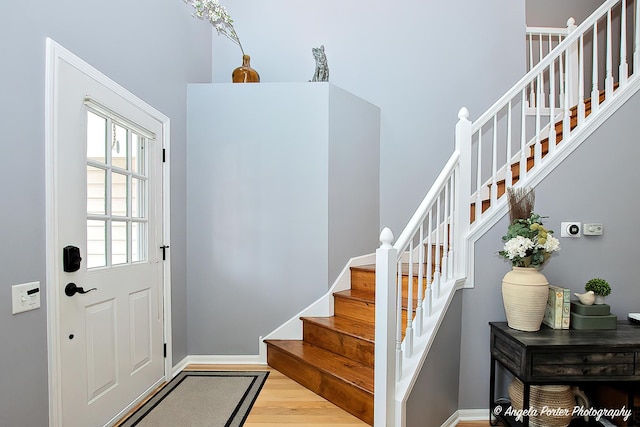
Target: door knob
point(71, 289)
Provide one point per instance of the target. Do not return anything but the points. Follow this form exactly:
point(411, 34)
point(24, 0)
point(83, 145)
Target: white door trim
point(55, 53)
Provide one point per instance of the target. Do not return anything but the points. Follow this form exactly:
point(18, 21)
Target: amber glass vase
point(244, 73)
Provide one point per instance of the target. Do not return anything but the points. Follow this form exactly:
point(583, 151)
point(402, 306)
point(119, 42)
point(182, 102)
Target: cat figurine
point(322, 69)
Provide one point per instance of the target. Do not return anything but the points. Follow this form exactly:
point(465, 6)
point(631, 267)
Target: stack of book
point(557, 314)
point(597, 316)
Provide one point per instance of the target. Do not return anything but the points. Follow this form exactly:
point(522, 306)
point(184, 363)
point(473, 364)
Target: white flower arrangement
point(217, 15)
point(528, 243)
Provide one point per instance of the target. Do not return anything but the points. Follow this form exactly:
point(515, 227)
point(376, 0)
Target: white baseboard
point(466, 415)
point(473, 414)
point(242, 359)
point(179, 367)
point(451, 421)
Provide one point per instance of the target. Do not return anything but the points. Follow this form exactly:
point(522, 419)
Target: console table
point(564, 356)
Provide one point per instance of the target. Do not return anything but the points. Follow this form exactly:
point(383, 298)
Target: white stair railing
point(509, 141)
point(436, 238)
point(540, 41)
point(429, 254)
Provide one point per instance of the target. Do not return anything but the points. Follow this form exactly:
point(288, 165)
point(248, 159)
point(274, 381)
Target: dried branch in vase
point(521, 201)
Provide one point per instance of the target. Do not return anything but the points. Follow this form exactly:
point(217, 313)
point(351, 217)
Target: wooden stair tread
point(370, 297)
point(366, 267)
point(358, 295)
point(405, 267)
point(349, 371)
point(347, 326)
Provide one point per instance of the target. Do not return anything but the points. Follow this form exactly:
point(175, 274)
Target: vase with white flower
point(217, 15)
point(528, 244)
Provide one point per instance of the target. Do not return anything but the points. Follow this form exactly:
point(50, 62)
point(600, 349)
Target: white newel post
point(463, 191)
point(385, 338)
point(572, 68)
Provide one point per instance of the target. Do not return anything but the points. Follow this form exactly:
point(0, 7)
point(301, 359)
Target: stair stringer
point(322, 307)
point(412, 366)
point(534, 176)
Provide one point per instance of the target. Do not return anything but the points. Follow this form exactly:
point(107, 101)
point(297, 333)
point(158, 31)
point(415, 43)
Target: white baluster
point(531, 65)
point(399, 322)
point(385, 356)
point(561, 78)
point(608, 81)
point(552, 108)
point(494, 163)
point(438, 271)
point(523, 141)
point(528, 58)
point(479, 178)
point(452, 228)
point(581, 108)
point(572, 67)
point(508, 181)
point(429, 306)
point(595, 92)
point(408, 336)
point(541, 102)
point(636, 44)
point(445, 234)
point(537, 149)
point(419, 323)
point(624, 67)
point(566, 124)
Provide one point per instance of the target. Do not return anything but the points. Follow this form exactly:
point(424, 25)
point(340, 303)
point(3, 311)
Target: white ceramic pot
point(524, 294)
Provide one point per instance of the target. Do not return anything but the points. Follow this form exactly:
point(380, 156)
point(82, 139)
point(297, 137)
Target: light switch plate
point(25, 297)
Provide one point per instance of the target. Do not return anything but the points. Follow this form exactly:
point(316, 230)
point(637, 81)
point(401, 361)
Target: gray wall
point(151, 48)
point(435, 394)
point(279, 195)
point(420, 62)
point(597, 183)
point(555, 13)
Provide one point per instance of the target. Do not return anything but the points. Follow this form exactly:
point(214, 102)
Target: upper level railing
point(540, 41)
point(501, 148)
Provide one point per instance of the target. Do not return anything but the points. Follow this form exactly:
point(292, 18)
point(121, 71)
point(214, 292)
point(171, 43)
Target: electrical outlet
point(570, 229)
point(25, 297)
point(593, 229)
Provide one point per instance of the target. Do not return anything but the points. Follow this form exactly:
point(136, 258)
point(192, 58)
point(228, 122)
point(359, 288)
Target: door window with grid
point(117, 184)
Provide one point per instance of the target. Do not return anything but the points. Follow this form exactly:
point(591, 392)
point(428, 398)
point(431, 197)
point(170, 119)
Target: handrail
point(427, 203)
point(559, 31)
point(542, 65)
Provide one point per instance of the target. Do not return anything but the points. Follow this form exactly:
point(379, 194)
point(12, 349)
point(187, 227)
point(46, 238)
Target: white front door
point(107, 194)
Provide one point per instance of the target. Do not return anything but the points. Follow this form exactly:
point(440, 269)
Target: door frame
point(55, 53)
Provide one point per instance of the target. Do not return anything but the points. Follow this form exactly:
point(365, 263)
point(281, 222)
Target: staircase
point(329, 347)
point(335, 357)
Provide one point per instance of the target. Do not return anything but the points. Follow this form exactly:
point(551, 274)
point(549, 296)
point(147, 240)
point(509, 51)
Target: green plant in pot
point(600, 288)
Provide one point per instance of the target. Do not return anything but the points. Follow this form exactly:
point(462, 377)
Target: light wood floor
point(284, 402)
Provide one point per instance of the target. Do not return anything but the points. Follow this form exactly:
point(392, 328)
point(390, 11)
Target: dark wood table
point(564, 356)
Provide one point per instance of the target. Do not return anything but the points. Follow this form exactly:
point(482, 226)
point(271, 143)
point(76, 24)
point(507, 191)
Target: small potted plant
point(600, 288)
